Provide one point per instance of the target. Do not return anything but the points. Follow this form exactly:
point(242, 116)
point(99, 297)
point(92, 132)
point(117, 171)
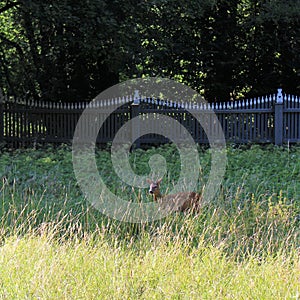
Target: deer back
point(181, 201)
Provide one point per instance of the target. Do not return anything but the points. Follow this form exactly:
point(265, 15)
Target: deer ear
point(149, 181)
point(159, 180)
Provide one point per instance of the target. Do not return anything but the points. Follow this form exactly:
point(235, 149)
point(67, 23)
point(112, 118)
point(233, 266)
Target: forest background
point(70, 51)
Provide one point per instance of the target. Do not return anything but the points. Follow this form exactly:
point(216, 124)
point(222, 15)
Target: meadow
point(243, 245)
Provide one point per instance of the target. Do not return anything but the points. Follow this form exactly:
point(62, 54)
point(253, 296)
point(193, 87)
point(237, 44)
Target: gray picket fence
point(273, 118)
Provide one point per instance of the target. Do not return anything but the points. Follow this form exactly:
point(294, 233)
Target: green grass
point(244, 245)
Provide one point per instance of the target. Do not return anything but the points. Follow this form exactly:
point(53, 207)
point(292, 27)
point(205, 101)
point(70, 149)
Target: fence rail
point(269, 119)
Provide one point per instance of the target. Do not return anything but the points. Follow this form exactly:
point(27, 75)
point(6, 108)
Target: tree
point(271, 42)
point(69, 48)
point(220, 52)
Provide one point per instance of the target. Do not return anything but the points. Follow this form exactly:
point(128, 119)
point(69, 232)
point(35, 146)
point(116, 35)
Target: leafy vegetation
point(245, 245)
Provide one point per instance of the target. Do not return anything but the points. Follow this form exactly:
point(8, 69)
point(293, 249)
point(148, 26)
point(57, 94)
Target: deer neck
point(157, 196)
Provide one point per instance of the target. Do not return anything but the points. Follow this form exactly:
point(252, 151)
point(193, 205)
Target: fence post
point(135, 111)
point(1, 117)
point(278, 118)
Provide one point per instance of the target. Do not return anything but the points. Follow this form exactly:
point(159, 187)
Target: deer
point(183, 201)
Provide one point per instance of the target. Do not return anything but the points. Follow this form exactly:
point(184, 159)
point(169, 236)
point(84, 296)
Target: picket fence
point(274, 118)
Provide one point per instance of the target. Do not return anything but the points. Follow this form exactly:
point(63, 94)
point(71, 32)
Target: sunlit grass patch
point(37, 266)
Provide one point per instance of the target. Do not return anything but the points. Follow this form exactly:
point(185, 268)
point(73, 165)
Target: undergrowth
point(243, 245)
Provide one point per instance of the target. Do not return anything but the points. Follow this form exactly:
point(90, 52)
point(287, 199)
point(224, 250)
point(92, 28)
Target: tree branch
point(13, 44)
point(21, 54)
point(8, 6)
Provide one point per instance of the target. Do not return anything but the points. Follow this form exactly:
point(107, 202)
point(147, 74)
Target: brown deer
point(183, 201)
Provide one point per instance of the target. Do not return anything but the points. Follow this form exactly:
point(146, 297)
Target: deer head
point(154, 188)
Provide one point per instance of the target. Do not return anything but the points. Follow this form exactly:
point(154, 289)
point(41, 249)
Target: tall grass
point(38, 267)
point(244, 245)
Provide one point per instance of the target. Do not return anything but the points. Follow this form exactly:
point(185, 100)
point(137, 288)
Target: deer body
point(178, 202)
